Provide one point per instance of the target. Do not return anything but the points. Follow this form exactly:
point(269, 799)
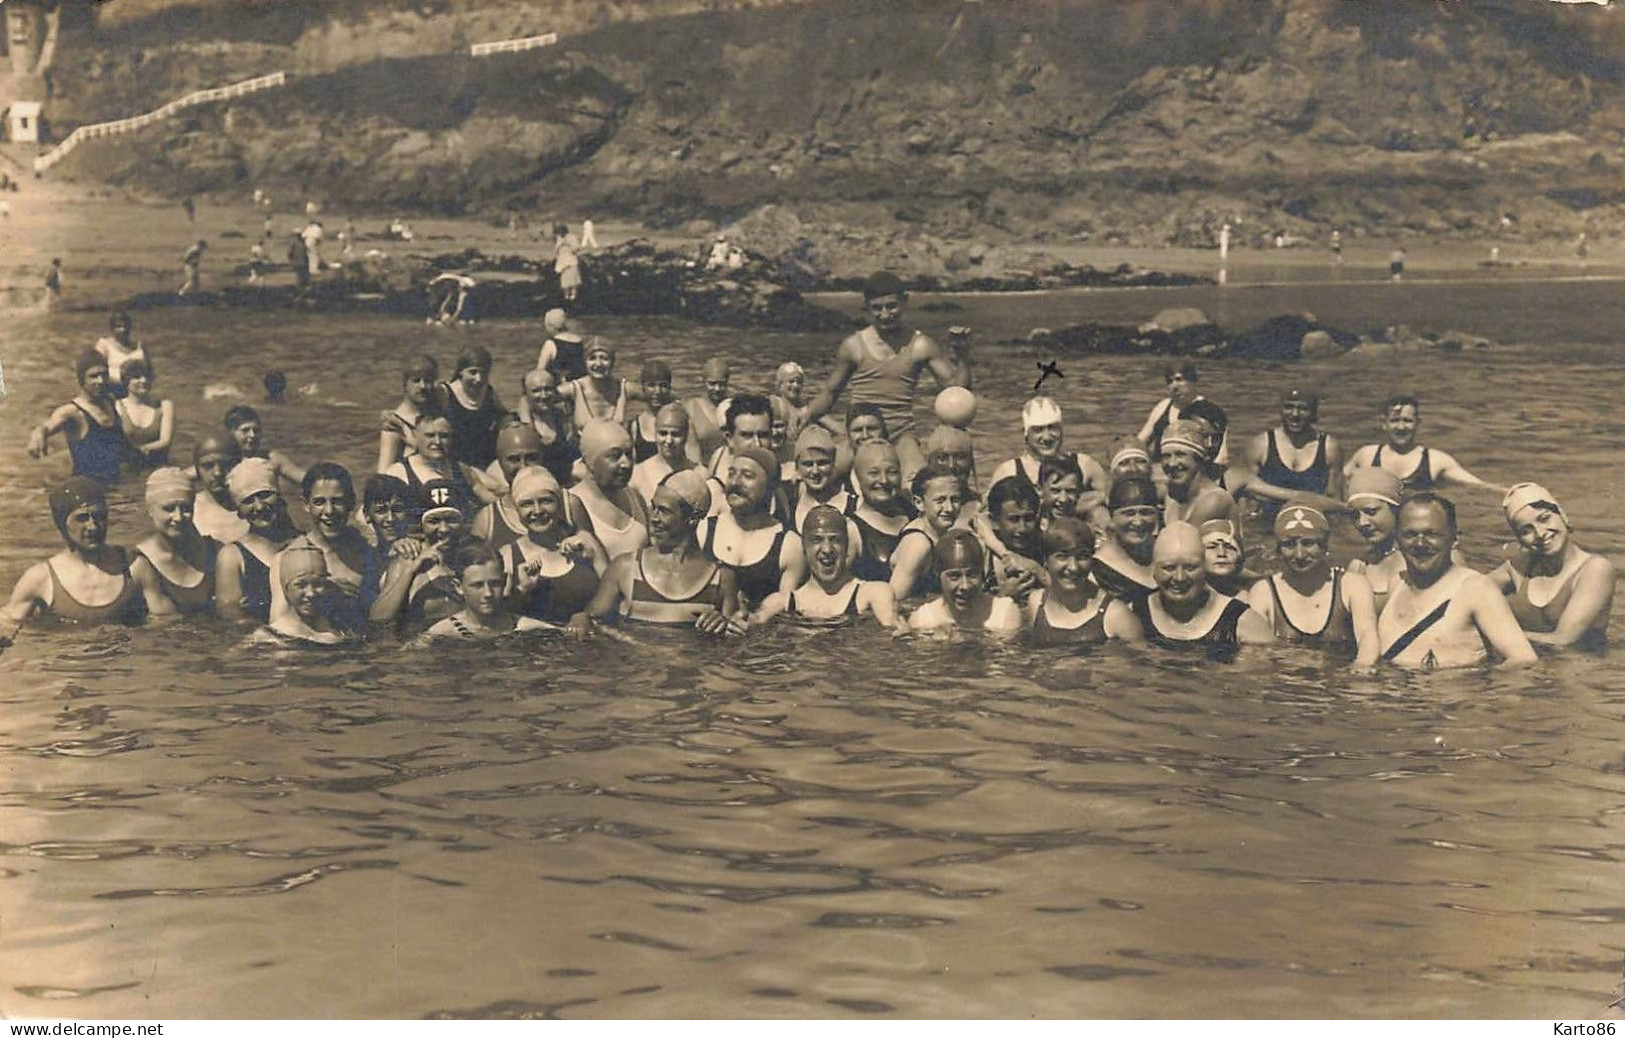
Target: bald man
point(498, 523)
point(1440, 614)
point(1184, 611)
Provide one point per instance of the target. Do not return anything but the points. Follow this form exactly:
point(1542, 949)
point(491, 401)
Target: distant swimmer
point(175, 566)
point(831, 595)
point(1295, 457)
point(192, 269)
point(1311, 602)
point(1441, 614)
point(88, 581)
point(882, 365)
point(1417, 467)
point(671, 581)
point(89, 424)
point(1071, 610)
point(450, 297)
point(1184, 611)
point(1560, 593)
point(965, 603)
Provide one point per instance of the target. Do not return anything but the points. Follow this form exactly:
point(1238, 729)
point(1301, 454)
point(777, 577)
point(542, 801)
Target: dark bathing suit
point(756, 579)
point(844, 618)
point(199, 598)
point(97, 455)
point(650, 606)
point(1275, 472)
point(1421, 479)
point(127, 607)
point(1090, 632)
point(1220, 639)
point(1335, 632)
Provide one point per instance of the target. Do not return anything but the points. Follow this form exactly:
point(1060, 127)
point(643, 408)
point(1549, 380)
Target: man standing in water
point(882, 365)
point(1441, 614)
point(1417, 467)
point(1295, 457)
point(89, 423)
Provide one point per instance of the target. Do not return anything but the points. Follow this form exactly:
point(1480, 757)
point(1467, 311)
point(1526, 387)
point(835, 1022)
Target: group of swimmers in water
point(600, 502)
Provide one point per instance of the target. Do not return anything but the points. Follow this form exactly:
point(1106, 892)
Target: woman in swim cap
point(1225, 558)
point(176, 565)
point(599, 395)
point(831, 595)
point(419, 589)
point(1373, 495)
point(553, 570)
point(1560, 593)
point(304, 615)
point(435, 438)
point(474, 410)
point(1311, 602)
point(965, 603)
point(882, 510)
point(603, 502)
point(242, 577)
point(1122, 562)
point(88, 582)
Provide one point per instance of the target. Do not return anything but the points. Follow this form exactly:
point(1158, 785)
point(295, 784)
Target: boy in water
point(481, 580)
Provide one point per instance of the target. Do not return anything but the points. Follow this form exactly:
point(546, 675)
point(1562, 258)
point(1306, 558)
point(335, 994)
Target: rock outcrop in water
point(1285, 337)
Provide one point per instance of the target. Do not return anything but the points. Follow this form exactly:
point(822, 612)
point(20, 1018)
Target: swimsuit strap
point(1417, 630)
point(710, 536)
point(852, 602)
point(790, 607)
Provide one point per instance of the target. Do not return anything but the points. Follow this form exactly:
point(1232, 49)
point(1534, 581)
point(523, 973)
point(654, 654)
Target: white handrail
point(117, 126)
point(546, 39)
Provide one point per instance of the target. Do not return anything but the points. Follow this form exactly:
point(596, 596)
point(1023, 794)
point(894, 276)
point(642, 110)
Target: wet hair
point(1010, 489)
point(1209, 412)
point(328, 470)
point(1428, 497)
point(1054, 468)
point(475, 553)
point(1130, 492)
point(747, 403)
point(240, 414)
point(422, 364)
point(380, 488)
point(276, 384)
point(134, 369)
point(474, 357)
point(1063, 530)
point(857, 411)
point(882, 283)
point(1400, 400)
point(1186, 370)
point(118, 318)
point(924, 476)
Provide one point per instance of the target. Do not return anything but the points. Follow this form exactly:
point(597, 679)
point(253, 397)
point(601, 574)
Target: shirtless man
point(882, 364)
point(1295, 457)
point(1191, 495)
point(89, 423)
point(1184, 610)
point(1442, 614)
point(498, 523)
point(89, 580)
point(1418, 467)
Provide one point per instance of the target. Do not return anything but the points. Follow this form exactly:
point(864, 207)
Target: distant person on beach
point(256, 262)
point(1396, 265)
point(589, 237)
point(1582, 249)
point(89, 423)
point(312, 237)
point(53, 284)
point(191, 209)
point(567, 261)
point(882, 365)
point(192, 269)
point(1337, 246)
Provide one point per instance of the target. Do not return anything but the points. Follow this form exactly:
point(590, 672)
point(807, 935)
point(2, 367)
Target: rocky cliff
point(1058, 120)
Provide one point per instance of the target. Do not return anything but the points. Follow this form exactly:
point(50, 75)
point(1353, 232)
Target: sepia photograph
point(884, 510)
